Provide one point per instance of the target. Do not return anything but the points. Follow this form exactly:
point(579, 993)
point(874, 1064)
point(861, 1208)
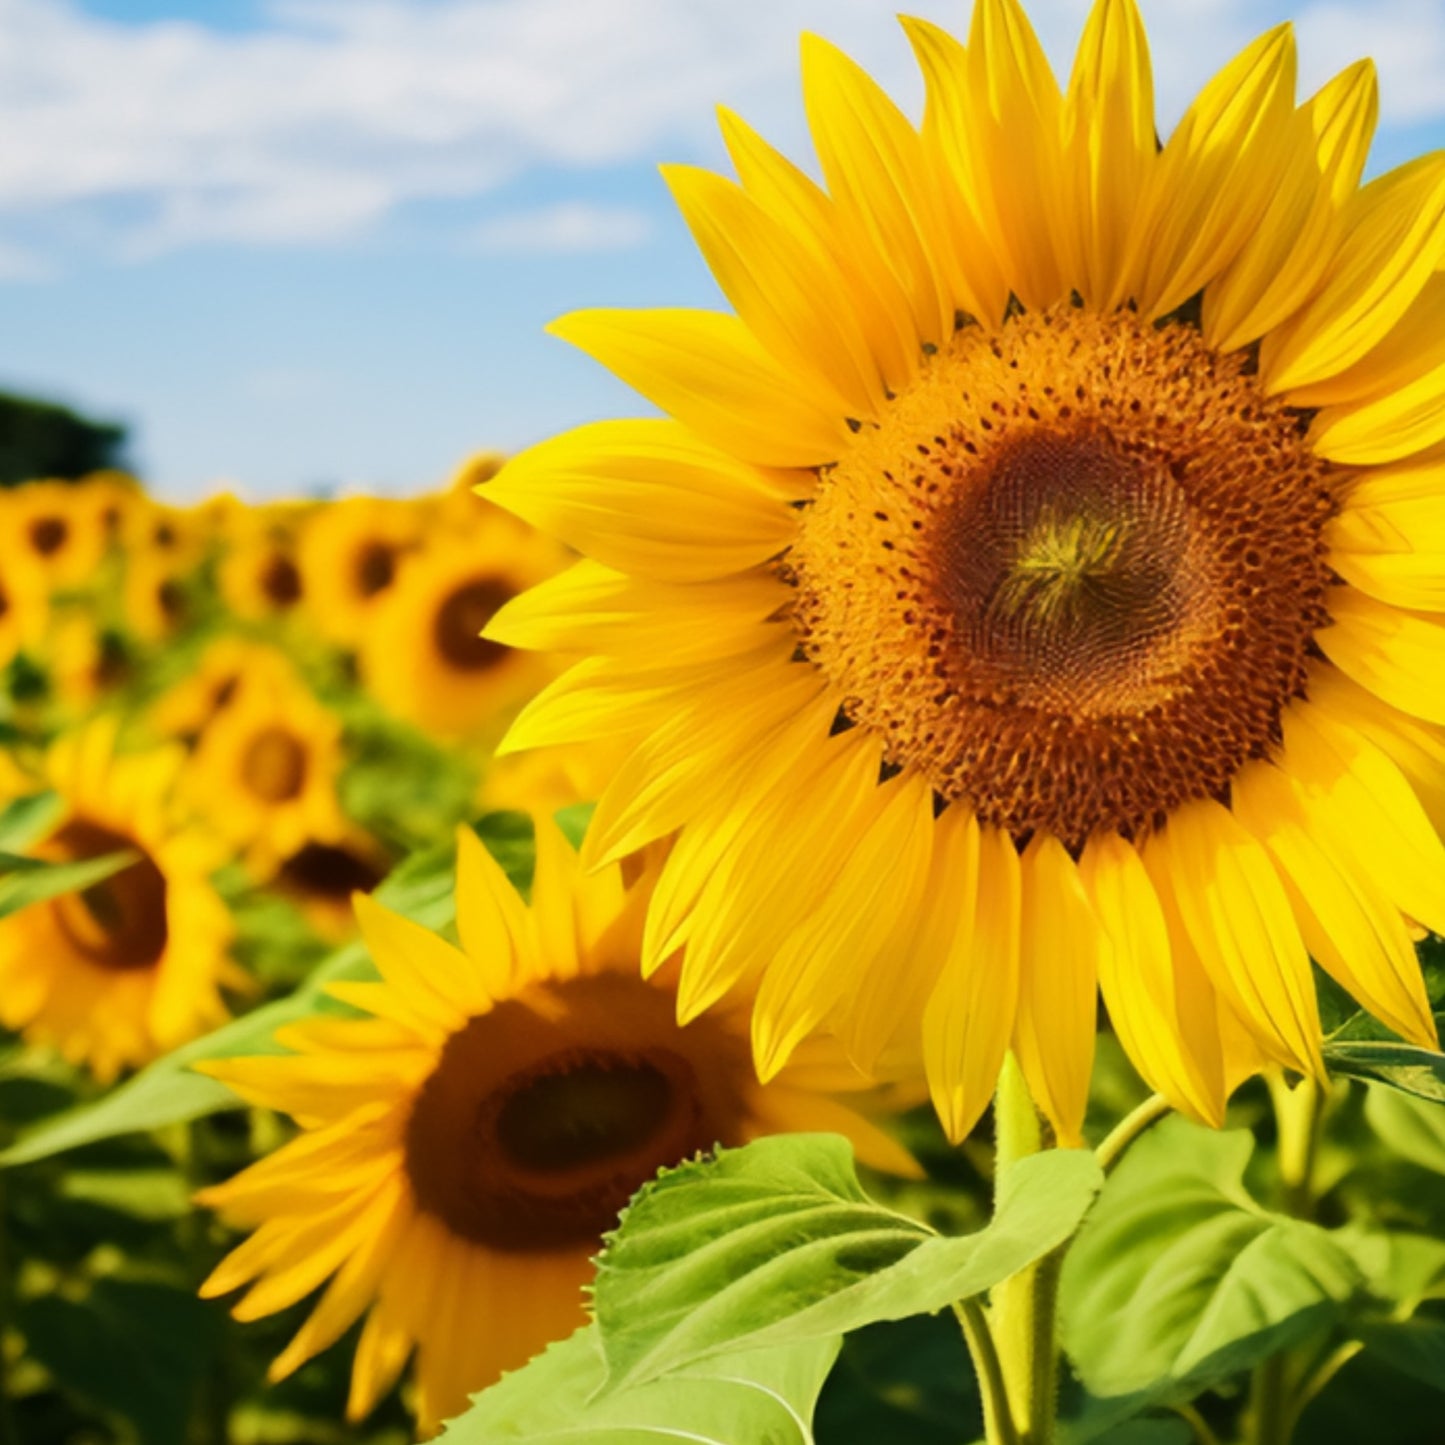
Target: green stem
point(1024, 1309)
point(1129, 1128)
point(998, 1422)
point(1203, 1435)
point(1274, 1403)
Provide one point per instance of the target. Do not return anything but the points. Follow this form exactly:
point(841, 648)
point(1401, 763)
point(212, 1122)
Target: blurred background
point(296, 246)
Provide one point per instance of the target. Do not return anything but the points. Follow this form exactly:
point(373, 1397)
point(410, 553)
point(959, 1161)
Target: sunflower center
point(1074, 576)
point(538, 1124)
point(375, 568)
point(322, 870)
point(460, 619)
point(120, 922)
point(281, 581)
point(273, 765)
point(48, 534)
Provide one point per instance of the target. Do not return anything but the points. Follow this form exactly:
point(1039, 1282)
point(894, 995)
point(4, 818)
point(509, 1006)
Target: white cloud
point(569, 226)
point(331, 114)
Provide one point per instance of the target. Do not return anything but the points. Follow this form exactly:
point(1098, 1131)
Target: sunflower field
point(896, 901)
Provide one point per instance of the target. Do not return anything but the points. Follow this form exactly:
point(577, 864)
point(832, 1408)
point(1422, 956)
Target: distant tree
point(41, 439)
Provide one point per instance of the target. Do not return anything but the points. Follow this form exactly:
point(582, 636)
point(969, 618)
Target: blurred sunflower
point(1039, 587)
point(464, 1148)
point(260, 574)
point(133, 965)
point(264, 771)
point(424, 658)
point(185, 710)
point(322, 880)
point(350, 553)
point(59, 527)
point(156, 594)
point(24, 604)
point(85, 662)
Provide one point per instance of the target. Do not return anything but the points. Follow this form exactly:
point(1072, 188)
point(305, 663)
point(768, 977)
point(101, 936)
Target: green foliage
point(777, 1242)
point(1180, 1280)
point(1402, 1066)
point(1413, 1129)
point(24, 881)
point(762, 1397)
point(42, 439)
point(169, 1091)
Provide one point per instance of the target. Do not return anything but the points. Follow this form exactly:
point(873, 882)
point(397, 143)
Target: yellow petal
point(1238, 916)
point(872, 160)
point(796, 202)
point(1394, 239)
point(1109, 146)
point(1159, 998)
point(784, 285)
point(1351, 929)
point(847, 932)
point(491, 922)
point(1399, 656)
point(1059, 945)
point(436, 979)
point(708, 371)
point(1406, 420)
point(1214, 178)
point(381, 1353)
point(970, 1015)
point(650, 498)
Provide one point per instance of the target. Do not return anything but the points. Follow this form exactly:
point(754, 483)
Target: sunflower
point(133, 965)
point(157, 594)
point(24, 604)
point(322, 879)
point(85, 662)
point(260, 574)
point(1037, 586)
point(264, 770)
point(60, 527)
point(423, 656)
point(463, 1149)
point(188, 708)
point(350, 552)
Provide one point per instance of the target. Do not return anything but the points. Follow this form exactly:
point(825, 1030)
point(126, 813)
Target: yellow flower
point(423, 656)
point(24, 603)
point(463, 1149)
point(260, 575)
point(264, 770)
point(84, 662)
point(188, 708)
point(59, 527)
point(350, 553)
point(1037, 588)
point(156, 594)
point(132, 966)
point(322, 879)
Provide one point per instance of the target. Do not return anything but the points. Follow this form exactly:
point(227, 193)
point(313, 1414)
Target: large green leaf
point(24, 881)
point(169, 1091)
point(759, 1398)
point(1415, 1347)
point(1413, 1128)
point(1402, 1066)
point(1179, 1280)
point(777, 1242)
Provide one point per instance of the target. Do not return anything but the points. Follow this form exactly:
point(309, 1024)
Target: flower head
point(1035, 588)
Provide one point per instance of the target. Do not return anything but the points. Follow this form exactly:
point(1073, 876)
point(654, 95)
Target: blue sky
point(307, 243)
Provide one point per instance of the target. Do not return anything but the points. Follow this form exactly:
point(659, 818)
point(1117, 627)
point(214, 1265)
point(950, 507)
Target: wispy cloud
point(332, 114)
point(567, 227)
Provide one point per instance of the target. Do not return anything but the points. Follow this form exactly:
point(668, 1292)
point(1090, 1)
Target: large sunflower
point(423, 655)
point(1037, 588)
point(133, 965)
point(464, 1148)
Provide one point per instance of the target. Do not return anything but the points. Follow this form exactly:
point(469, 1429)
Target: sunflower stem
point(1024, 1309)
point(1299, 1116)
point(1129, 1128)
point(998, 1424)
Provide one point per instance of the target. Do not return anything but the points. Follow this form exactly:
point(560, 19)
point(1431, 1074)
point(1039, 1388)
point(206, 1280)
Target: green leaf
point(777, 1242)
point(1179, 1279)
point(759, 1398)
point(24, 881)
point(169, 1091)
point(133, 1348)
point(25, 819)
point(1402, 1066)
point(1415, 1347)
point(573, 821)
point(1413, 1129)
